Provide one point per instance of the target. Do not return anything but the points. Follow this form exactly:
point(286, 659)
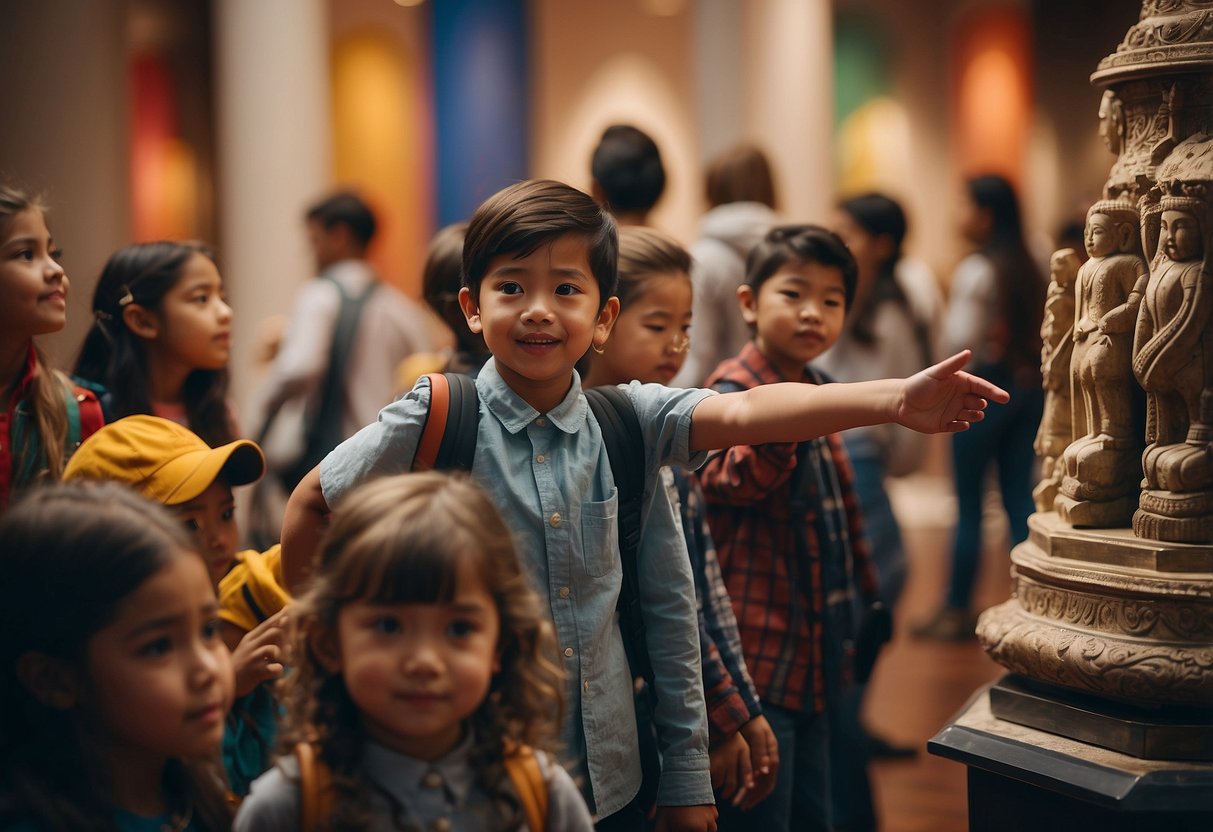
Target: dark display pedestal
point(1021, 778)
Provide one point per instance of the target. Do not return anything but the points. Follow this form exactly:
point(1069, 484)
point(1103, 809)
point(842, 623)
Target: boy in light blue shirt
point(539, 273)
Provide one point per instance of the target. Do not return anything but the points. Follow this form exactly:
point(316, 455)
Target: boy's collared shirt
point(550, 477)
point(748, 490)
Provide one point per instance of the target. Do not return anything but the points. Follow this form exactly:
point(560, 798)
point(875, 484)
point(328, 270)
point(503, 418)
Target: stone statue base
point(1095, 515)
point(1146, 733)
point(1099, 489)
point(1167, 515)
point(1024, 778)
point(1109, 614)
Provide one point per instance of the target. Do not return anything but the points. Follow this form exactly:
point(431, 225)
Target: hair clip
point(102, 315)
point(126, 299)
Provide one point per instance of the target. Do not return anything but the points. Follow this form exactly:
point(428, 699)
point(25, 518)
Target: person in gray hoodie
point(741, 198)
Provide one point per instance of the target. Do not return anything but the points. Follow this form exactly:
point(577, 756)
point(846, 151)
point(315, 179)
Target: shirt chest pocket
point(600, 535)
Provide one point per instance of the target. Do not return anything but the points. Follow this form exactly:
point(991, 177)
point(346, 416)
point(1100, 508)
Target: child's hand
point(764, 757)
point(731, 773)
point(262, 654)
point(686, 819)
point(944, 398)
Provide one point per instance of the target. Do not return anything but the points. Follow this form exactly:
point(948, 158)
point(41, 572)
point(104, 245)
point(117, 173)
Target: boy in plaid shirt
point(786, 522)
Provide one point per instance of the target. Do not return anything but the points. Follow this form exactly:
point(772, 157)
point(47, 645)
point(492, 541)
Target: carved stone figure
point(1056, 424)
point(1120, 620)
point(1173, 360)
point(1099, 485)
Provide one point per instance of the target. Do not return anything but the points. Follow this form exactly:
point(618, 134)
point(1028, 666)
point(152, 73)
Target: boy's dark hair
point(801, 244)
point(627, 166)
point(519, 219)
point(345, 208)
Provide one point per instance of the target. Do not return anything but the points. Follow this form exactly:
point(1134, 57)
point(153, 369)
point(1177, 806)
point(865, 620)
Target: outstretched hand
point(945, 399)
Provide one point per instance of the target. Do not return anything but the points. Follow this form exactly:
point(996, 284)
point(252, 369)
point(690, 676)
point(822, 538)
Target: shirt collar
point(763, 369)
point(457, 776)
point(515, 414)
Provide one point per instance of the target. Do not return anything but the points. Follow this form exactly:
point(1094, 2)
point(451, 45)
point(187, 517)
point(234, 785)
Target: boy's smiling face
point(797, 314)
point(539, 314)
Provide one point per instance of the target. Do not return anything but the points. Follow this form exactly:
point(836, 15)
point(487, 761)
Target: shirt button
point(564, 592)
point(568, 652)
point(432, 780)
point(540, 459)
point(541, 421)
point(441, 825)
point(585, 686)
point(554, 519)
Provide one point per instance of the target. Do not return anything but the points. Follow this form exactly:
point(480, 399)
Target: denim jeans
point(802, 790)
point(1004, 438)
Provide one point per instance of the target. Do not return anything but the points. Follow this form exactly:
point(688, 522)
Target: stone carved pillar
point(1108, 620)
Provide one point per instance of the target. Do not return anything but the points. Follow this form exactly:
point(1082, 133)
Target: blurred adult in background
point(628, 177)
point(995, 307)
point(741, 209)
point(346, 336)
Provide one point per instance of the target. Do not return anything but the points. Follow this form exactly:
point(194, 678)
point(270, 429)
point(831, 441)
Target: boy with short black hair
point(786, 522)
point(539, 266)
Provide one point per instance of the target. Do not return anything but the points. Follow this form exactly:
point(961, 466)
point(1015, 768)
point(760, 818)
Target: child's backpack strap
point(315, 789)
point(522, 766)
point(625, 450)
point(448, 438)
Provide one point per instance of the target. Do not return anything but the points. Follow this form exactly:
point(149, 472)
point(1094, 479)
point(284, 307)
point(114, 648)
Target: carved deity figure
point(1173, 360)
point(1100, 465)
point(1056, 430)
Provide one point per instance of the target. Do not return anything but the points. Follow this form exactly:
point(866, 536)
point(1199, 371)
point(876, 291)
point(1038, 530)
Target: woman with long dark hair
point(996, 304)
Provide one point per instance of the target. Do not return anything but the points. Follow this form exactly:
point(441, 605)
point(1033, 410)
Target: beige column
point(64, 135)
point(789, 97)
point(274, 149)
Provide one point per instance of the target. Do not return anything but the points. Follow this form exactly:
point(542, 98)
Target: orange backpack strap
point(522, 766)
point(315, 789)
point(435, 423)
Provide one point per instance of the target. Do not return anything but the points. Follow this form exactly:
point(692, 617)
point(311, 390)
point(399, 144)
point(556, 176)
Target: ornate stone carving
point(1056, 330)
point(1119, 613)
point(1099, 485)
point(1124, 669)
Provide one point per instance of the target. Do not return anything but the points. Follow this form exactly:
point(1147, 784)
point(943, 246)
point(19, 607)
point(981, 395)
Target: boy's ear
point(606, 321)
point(471, 310)
point(747, 302)
point(51, 681)
point(141, 321)
point(323, 643)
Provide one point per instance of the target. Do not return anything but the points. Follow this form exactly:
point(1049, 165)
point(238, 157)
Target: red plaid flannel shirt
point(748, 489)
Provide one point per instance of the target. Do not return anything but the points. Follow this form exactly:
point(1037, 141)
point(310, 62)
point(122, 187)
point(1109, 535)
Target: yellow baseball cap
point(162, 460)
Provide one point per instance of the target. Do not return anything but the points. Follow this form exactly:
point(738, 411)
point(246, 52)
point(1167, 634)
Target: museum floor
point(918, 686)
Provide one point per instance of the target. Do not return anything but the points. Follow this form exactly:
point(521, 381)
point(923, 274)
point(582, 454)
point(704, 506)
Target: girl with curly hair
point(424, 660)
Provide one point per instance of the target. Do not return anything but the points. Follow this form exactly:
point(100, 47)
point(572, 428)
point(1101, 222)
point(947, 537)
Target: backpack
point(448, 442)
point(84, 417)
point(316, 786)
point(323, 430)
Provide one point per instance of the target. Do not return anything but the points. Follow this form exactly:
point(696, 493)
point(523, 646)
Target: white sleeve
point(970, 297)
point(271, 805)
point(566, 807)
point(303, 356)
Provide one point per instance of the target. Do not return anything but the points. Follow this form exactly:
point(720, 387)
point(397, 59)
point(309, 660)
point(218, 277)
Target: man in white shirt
point(386, 328)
